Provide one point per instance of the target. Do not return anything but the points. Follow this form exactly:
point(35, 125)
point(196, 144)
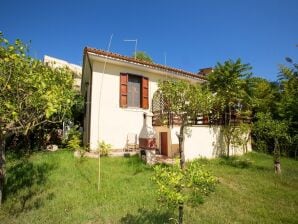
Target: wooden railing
point(168, 119)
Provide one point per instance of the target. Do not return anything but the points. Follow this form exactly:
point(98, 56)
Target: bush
point(73, 140)
point(176, 186)
point(104, 148)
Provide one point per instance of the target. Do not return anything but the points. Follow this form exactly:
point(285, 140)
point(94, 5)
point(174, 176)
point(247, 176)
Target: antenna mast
point(136, 43)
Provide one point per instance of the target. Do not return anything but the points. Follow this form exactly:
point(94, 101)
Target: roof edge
point(130, 59)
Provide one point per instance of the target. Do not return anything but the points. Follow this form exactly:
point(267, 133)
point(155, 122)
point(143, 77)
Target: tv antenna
point(136, 43)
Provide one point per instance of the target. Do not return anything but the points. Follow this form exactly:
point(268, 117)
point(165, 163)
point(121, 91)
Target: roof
point(205, 71)
point(144, 63)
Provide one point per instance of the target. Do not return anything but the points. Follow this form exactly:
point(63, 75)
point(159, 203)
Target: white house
point(118, 92)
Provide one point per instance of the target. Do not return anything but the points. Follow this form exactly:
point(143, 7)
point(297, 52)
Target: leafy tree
point(264, 95)
point(31, 93)
point(288, 107)
point(272, 130)
point(177, 187)
point(229, 82)
point(143, 56)
point(184, 101)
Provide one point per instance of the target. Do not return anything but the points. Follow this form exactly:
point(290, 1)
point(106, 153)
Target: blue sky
point(192, 34)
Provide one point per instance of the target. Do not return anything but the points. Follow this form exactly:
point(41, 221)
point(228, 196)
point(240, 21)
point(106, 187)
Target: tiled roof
point(145, 63)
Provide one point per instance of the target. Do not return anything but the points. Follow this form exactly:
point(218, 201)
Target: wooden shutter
point(145, 97)
point(123, 89)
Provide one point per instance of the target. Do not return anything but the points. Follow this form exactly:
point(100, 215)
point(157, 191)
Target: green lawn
point(58, 188)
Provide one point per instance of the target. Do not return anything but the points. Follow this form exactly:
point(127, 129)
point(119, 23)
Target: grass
point(58, 188)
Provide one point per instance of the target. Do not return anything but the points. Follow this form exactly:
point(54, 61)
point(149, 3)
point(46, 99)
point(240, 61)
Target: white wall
point(205, 141)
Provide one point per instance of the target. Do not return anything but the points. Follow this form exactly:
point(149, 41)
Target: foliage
point(264, 95)
point(288, 106)
point(184, 99)
point(31, 93)
point(74, 137)
point(177, 186)
point(269, 129)
point(77, 109)
point(104, 148)
point(143, 56)
point(229, 82)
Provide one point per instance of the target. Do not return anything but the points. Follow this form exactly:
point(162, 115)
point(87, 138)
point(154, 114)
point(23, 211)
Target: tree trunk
point(180, 218)
point(181, 146)
point(28, 142)
point(277, 167)
point(182, 165)
point(228, 145)
point(2, 166)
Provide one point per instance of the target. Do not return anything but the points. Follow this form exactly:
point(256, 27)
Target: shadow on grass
point(236, 162)
point(147, 217)
point(136, 164)
point(25, 185)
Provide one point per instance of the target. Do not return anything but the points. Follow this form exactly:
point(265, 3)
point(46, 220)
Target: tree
point(264, 95)
point(31, 93)
point(184, 101)
point(177, 187)
point(288, 107)
point(272, 130)
point(143, 56)
point(229, 82)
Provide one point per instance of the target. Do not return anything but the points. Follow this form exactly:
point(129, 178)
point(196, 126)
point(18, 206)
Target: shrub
point(177, 186)
point(73, 140)
point(104, 148)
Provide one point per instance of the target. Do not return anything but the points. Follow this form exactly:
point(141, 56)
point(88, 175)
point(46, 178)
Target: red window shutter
point(145, 94)
point(123, 89)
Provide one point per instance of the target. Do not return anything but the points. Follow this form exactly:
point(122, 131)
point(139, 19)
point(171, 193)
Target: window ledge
point(135, 109)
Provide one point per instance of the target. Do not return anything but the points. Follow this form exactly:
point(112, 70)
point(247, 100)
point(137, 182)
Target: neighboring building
point(119, 92)
point(58, 63)
point(205, 71)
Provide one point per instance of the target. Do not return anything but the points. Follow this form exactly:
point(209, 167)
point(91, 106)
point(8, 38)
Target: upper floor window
point(133, 91)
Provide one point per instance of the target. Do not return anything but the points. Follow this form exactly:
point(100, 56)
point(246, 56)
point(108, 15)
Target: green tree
point(288, 107)
point(177, 187)
point(143, 56)
point(264, 95)
point(229, 82)
point(31, 93)
point(184, 101)
point(272, 130)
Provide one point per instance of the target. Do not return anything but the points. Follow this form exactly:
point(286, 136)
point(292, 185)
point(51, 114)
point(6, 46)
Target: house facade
point(119, 92)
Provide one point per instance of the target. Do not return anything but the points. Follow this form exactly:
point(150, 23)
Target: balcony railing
point(169, 119)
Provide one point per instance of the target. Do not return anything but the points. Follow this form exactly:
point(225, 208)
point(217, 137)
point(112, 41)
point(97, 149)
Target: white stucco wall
point(207, 142)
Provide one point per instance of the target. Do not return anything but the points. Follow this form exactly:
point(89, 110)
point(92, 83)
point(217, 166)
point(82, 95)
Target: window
point(133, 91)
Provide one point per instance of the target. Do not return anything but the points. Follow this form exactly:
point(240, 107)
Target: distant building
point(58, 63)
point(205, 71)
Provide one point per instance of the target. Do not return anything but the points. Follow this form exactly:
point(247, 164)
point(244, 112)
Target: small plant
point(73, 140)
point(177, 186)
point(104, 148)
